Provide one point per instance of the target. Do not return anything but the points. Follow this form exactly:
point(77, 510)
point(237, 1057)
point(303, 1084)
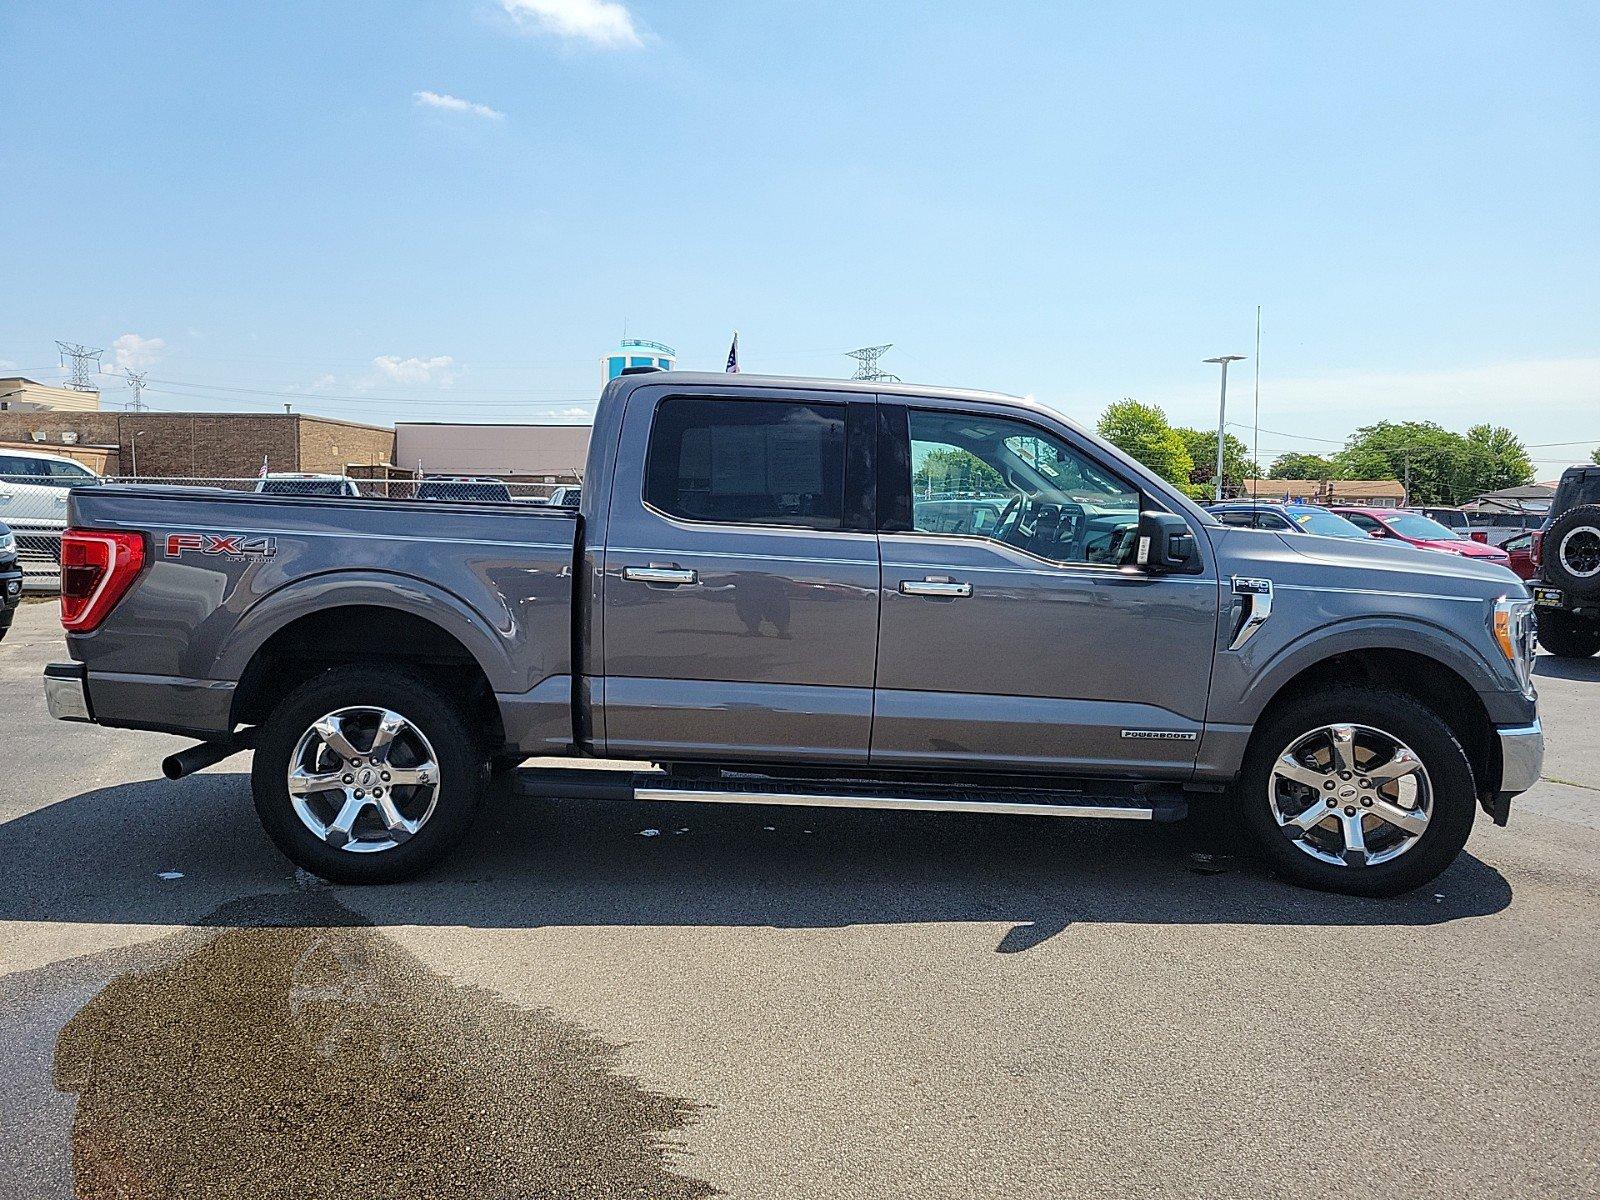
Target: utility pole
point(136, 382)
point(81, 356)
point(868, 356)
point(1222, 415)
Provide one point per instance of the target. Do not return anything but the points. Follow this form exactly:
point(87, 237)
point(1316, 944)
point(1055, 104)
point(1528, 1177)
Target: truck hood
point(1401, 567)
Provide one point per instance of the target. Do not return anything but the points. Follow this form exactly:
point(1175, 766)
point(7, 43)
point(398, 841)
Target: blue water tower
point(636, 352)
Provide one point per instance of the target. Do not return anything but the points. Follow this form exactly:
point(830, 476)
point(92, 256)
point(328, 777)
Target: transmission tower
point(82, 357)
point(867, 356)
point(136, 382)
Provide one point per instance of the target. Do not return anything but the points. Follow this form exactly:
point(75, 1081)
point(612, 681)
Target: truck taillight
point(97, 565)
point(1536, 547)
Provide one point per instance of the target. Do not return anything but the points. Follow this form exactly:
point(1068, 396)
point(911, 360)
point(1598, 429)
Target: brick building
point(201, 445)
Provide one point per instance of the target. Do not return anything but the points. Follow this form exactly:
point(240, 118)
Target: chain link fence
point(34, 506)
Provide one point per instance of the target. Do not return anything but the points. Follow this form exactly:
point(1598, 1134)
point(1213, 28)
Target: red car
point(1520, 548)
point(1423, 532)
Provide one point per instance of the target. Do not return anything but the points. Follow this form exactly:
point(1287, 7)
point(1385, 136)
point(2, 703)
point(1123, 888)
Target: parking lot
point(606, 999)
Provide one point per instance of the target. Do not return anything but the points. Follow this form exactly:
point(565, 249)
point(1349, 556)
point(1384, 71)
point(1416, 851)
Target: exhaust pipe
point(187, 762)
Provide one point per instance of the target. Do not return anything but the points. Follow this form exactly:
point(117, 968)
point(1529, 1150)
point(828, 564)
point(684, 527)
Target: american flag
point(733, 355)
point(263, 473)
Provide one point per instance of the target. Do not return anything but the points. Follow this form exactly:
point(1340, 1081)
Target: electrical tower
point(867, 356)
point(81, 356)
point(136, 382)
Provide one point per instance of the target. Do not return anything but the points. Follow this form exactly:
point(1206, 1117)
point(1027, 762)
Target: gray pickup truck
point(809, 592)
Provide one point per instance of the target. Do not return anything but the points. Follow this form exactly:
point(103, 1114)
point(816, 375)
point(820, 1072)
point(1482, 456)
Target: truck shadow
point(1549, 666)
point(99, 857)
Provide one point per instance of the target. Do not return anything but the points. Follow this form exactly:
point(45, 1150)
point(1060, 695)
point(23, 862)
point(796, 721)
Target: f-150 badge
point(226, 545)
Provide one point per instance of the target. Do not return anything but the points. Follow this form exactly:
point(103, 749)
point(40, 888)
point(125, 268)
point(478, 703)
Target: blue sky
point(450, 210)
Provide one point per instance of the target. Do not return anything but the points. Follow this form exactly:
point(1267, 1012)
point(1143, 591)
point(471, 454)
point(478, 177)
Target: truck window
point(1048, 499)
point(748, 462)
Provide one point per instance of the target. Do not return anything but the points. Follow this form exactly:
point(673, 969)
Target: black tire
point(461, 761)
point(1567, 636)
point(1454, 793)
point(1571, 565)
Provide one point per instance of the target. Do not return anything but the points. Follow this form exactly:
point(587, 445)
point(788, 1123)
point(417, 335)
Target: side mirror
point(1165, 543)
point(1479, 536)
point(1377, 533)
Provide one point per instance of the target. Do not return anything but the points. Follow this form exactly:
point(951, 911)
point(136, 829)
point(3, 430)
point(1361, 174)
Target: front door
point(740, 585)
point(1013, 632)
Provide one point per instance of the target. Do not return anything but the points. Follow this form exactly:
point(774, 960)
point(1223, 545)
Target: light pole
point(1222, 415)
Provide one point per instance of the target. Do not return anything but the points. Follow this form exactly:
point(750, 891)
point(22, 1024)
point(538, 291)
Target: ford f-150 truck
point(809, 592)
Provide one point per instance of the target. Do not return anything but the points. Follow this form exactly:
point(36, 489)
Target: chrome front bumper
point(1521, 757)
point(66, 692)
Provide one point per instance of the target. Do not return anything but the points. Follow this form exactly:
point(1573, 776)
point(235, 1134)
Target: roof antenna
point(1255, 484)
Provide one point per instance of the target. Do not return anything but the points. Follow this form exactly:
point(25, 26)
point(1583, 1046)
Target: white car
point(306, 483)
point(33, 489)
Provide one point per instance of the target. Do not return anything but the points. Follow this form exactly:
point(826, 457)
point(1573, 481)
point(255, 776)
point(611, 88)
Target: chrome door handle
point(674, 576)
point(934, 587)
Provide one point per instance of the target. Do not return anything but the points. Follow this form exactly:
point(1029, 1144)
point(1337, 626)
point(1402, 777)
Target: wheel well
point(365, 635)
point(1420, 677)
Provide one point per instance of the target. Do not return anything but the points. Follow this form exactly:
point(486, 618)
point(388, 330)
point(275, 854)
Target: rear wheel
point(366, 775)
point(1567, 636)
point(1358, 790)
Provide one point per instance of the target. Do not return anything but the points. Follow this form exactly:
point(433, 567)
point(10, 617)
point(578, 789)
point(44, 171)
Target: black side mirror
point(1165, 543)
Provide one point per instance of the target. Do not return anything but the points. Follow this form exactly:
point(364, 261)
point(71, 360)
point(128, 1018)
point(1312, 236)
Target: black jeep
point(1566, 588)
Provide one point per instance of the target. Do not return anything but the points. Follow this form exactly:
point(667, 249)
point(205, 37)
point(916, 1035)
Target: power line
point(136, 382)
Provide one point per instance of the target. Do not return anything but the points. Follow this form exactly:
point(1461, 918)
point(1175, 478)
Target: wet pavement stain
point(301, 1053)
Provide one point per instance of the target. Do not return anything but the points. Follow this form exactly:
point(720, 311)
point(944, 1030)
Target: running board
point(1134, 802)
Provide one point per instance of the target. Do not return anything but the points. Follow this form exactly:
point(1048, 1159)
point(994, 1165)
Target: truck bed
point(228, 572)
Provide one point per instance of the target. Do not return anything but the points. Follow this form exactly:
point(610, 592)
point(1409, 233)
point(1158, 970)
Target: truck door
point(740, 578)
point(1013, 633)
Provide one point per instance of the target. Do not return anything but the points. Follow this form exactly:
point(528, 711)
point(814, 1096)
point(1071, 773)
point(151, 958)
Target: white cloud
point(7, 365)
point(602, 22)
point(134, 352)
point(322, 383)
point(457, 105)
point(441, 369)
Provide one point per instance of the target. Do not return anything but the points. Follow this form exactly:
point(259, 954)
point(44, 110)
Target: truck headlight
point(1513, 633)
point(8, 541)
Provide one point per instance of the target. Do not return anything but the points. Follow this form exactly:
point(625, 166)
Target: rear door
point(739, 589)
point(1031, 645)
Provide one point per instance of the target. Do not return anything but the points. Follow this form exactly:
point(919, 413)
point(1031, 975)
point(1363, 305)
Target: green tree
point(950, 469)
point(1141, 431)
point(1236, 463)
point(1495, 459)
point(1425, 452)
point(1594, 456)
point(1295, 465)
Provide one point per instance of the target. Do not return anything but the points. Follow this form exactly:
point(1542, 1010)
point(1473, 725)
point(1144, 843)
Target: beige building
point(26, 395)
point(537, 453)
point(1364, 493)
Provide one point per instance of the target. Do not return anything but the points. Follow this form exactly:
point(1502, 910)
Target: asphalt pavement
point(603, 1000)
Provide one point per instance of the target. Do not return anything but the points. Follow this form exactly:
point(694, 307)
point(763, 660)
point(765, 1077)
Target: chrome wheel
point(1350, 795)
point(363, 779)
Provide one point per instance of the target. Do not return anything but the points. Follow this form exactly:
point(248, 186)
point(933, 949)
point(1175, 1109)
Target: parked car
point(748, 599)
point(1420, 531)
point(1519, 555)
point(306, 483)
point(10, 579)
point(33, 489)
point(1566, 553)
point(464, 487)
point(1285, 518)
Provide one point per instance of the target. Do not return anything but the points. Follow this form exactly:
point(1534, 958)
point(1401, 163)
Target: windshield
point(1412, 525)
point(1321, 521)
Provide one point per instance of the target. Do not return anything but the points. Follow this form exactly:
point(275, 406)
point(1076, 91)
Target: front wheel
point(366, 775)
point(1357, 790)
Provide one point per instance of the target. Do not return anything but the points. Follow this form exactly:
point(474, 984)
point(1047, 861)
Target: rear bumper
point(198, 708)
point(1521, 758)
point(66, 692)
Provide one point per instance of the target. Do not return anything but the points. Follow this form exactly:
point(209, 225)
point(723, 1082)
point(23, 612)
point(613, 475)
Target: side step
point(1126, 802)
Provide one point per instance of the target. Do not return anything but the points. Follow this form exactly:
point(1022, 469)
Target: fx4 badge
point(226, 545)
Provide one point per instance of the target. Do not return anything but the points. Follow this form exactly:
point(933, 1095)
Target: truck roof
point(744, 379)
